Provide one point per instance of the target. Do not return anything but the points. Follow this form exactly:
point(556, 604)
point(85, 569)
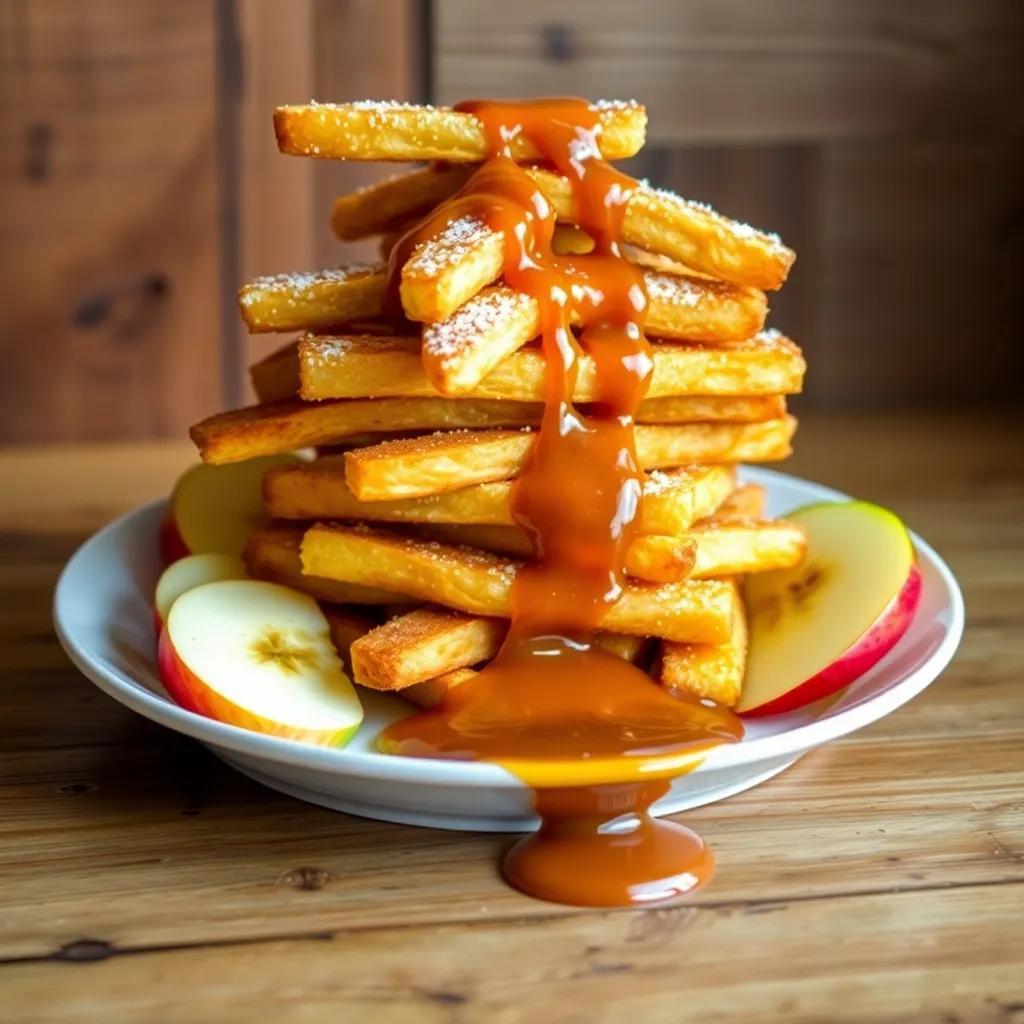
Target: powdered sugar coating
point(300, 284)
point(673, 291)
point(450, 247)
point(473, 322)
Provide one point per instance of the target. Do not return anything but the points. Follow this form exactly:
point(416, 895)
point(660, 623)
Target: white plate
point(104, 622)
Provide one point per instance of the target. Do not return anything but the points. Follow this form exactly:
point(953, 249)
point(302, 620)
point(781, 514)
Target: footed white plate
point(103, 617)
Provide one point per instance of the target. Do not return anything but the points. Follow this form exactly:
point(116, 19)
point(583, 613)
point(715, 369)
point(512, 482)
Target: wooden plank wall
point(140, 184)
point(884, 141)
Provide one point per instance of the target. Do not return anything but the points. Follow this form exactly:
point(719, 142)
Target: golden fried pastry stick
point(712, 547)
point(446, 271)
point(444, 283)
point(431, 641)
point(709, 671)
point(308, 301)
point(691, 233)
point(388, 130)
point(656, 221)
point(421, 644)
point(673, 500)
point(459, 351)
point(654, 558)
point(389, 206)
point(356, 367)
point(272, 554)
point(481, 584)
point(292, 424)
point(415, 467)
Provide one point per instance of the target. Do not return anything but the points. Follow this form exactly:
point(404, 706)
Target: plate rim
point(474, 774)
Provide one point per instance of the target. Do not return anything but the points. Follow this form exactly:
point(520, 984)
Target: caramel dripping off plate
point(594, 737)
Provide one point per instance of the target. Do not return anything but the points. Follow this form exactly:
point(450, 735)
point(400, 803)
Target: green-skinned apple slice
point(190, 572)
point(817, 627)
point(259, 656)
point(216, 508)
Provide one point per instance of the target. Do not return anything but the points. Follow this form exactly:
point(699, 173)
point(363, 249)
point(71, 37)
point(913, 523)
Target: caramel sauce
point(594, 736)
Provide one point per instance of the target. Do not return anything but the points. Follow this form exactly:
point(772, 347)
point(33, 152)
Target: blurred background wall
point(140, 184)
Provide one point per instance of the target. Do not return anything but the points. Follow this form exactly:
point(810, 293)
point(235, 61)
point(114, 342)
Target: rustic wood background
point(139, 183)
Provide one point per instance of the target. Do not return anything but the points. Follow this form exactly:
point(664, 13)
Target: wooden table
point(880, 878)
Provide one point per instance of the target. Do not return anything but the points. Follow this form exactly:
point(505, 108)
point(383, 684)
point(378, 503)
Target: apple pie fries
point(419, 381)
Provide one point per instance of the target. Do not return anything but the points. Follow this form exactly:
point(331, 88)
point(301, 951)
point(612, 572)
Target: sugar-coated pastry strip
point(656, 558)
point(292, 424)
point(418, 466)
point(691, 233)
point(272, 554)
point(673, 500)
point(429, 642)
point(709, 671)
point(460, 350)
point(388, 130)
point(355, 367)
point(313, 300)
point(481, 583)
point(387, 206)
point(718, 545)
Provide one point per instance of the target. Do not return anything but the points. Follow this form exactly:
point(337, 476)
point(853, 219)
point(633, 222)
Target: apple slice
point(190, 572)
point(215, 508)
point(258, 655)
point(817, 627)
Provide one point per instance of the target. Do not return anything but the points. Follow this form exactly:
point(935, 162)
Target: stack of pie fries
point(420, 385)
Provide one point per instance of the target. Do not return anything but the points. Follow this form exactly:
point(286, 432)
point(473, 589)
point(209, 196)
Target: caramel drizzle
point(580, 492)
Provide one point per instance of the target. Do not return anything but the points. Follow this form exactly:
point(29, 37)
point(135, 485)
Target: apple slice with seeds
point(817, 627)
point(259, 656)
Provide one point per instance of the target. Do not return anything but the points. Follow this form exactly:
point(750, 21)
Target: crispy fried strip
point(656, 221)
point(443, 272)
point(354, 367)
point(709, 671)
point(402, 131)
point(387, 206)
point(655, 558)
point(273, 554)
point(673, 500)
point(430, 642)
point(291, 424)
point(421, 644)
point(444, 284)
point(481, 583)
point(461, 349)
point(746, 502)
point(314, 300)
point(725, 548)
point(691, 233)
point(415, 467)
point(713, 547)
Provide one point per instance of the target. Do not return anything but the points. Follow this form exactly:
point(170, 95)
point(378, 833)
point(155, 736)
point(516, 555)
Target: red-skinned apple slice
point(216, 508)
point(259, 656)
point(817, 627)
point(188, 573)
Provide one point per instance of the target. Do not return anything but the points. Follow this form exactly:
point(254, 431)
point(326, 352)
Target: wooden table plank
point(871, 880)
point(908, 957)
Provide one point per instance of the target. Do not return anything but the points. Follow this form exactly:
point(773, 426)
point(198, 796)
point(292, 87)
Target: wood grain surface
point(881, 878)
